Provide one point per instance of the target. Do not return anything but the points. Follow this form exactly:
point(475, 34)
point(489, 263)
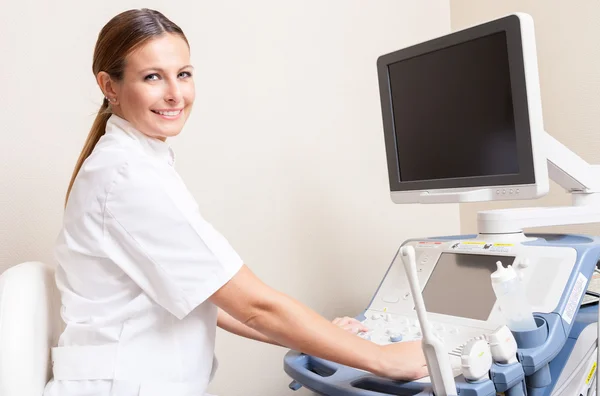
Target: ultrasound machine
point(462, 120)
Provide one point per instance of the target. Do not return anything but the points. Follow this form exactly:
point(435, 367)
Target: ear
point(109, 87)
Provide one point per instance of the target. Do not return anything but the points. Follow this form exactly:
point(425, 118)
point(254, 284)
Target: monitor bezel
point(532, 180)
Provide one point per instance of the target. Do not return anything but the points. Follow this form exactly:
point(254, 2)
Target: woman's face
point(157, 91)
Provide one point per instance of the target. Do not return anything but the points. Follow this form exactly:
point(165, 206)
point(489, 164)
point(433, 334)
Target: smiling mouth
point(167, 113)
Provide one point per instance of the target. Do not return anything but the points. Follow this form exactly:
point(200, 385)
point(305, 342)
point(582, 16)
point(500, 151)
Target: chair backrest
point(30, 325)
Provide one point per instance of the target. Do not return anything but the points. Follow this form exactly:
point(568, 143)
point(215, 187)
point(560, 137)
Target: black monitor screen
point(453, 112)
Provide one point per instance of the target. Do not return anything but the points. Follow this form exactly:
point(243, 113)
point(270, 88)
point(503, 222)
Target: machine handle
point(435, 352)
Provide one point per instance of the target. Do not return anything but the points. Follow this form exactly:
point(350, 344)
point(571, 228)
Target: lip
point(165, 117)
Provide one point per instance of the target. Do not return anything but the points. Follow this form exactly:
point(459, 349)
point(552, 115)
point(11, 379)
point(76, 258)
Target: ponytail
point(98, 129)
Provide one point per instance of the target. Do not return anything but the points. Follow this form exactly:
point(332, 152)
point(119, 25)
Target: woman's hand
point(350, 324)
point(402, 361)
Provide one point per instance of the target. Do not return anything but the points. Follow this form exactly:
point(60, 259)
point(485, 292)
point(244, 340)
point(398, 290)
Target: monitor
point(462, 116)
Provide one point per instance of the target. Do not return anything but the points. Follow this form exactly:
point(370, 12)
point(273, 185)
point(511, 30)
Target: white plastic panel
point(545, 271)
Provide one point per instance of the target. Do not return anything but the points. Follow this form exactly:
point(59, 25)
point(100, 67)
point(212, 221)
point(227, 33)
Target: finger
point(358, 329)
point(350, 324)
point(360, 325)
point(351, 329)
point(355, 323)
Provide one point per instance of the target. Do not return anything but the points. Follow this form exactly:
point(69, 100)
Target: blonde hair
point(121, 35)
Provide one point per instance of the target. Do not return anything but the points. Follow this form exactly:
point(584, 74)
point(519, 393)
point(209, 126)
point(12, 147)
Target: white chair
point(30, 325)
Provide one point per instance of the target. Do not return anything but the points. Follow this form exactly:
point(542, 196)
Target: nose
point(173, 92)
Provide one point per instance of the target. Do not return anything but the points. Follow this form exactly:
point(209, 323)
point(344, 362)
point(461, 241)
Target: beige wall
point(569, 66)
point(284, 151)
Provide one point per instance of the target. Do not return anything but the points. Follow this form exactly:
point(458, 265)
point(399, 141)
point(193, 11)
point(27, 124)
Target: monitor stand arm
point(572, 173)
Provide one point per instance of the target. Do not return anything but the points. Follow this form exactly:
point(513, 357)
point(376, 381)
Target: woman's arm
point(234, 326)
point(289, 323)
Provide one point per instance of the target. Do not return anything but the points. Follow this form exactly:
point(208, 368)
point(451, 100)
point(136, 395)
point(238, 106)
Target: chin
point(167, 134)
point(167, 131)
point(173, 133)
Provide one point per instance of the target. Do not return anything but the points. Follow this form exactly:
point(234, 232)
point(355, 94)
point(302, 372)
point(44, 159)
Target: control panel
point(457, 291)
point(387, 328)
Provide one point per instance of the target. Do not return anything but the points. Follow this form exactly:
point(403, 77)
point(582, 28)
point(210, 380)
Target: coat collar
point(151, 146)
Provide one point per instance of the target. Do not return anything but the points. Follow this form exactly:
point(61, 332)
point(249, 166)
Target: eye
point(151, 77)
point(185, 74)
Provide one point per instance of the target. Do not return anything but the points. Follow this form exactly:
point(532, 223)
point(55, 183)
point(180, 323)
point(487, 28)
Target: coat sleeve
point(157, 236)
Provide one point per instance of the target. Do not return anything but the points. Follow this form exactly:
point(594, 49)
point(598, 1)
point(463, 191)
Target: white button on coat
point(136, 265)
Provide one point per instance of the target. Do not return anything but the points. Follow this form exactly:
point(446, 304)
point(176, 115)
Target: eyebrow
point(162, 70)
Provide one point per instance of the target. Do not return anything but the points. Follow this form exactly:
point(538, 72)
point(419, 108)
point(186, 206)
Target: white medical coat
point(136, 264)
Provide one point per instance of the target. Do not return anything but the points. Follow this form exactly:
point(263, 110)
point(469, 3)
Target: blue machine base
point(331, 379)
point(542, 357)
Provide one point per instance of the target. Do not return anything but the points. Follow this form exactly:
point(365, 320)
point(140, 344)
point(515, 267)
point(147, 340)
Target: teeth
point(169, 113)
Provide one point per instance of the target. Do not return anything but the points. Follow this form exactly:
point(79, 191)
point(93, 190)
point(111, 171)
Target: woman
point(144, 279)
